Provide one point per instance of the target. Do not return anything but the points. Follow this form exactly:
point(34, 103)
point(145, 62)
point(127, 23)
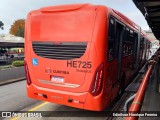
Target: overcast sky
point(11, 10)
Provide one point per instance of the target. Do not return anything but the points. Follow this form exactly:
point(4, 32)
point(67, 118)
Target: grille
point(60, 51)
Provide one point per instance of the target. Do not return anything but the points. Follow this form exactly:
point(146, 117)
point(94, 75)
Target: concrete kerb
point(5, 82)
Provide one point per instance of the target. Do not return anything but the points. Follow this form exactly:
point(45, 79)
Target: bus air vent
point(59, 50)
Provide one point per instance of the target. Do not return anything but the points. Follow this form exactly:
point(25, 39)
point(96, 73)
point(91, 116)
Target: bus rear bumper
point(78, 100)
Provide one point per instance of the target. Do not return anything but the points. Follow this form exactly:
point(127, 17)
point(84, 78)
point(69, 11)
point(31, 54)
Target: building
point(9, 40)
point(11, 47)
point(154, 41)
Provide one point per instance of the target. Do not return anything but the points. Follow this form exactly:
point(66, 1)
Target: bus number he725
point(79, 64)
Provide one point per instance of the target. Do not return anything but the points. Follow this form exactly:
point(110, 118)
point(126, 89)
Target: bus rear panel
point(65, 50)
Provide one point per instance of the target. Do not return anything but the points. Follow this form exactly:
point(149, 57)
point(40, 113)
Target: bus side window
point(131, 44)
point(128, 43)
point(111, 40)
point(125, 43)
point(141, 48)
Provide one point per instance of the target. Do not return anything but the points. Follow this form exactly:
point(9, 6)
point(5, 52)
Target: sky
point(11, 10)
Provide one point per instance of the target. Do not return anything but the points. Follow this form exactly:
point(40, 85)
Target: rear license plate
point(57, 79)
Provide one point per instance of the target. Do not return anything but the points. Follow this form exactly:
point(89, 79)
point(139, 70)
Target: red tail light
point(27, 73)
point(96, 86)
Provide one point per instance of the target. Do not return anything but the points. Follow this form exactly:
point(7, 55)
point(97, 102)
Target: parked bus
point(81, 55)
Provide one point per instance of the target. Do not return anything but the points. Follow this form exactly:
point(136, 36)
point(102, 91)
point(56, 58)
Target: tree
point(20, 32)
point(1, 25)
point(17, 28)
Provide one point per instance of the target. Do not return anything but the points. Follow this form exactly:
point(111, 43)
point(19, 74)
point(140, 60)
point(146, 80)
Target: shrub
point(18, 63)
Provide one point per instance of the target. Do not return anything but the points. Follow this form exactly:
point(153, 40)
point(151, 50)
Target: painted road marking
point(32, 109)
point(39, 106)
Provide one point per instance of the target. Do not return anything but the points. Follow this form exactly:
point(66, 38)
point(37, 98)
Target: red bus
point(81, 55)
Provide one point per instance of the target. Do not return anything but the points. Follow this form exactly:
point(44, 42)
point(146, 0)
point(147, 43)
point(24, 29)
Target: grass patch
point(5, 67)
point(18, 63)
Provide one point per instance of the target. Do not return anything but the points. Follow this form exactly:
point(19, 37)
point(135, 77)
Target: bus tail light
point(27, 73)
point(96, 86)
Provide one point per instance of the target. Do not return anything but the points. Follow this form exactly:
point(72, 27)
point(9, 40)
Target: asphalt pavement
point(13, 97)
point(12, 73)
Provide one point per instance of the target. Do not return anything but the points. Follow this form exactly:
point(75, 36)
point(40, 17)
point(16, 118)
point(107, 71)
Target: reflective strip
point(136, 103)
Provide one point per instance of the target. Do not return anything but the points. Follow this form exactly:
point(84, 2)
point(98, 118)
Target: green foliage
point(18, 63)
point(20, 32)
point(17, 28)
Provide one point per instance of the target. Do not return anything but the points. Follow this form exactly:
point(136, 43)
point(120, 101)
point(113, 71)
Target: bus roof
point(62, 8)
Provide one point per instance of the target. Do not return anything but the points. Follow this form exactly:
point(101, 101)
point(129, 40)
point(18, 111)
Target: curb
point(5, 82)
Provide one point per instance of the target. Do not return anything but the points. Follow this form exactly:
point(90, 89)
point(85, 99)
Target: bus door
point(116, 31)
point(129, 55)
